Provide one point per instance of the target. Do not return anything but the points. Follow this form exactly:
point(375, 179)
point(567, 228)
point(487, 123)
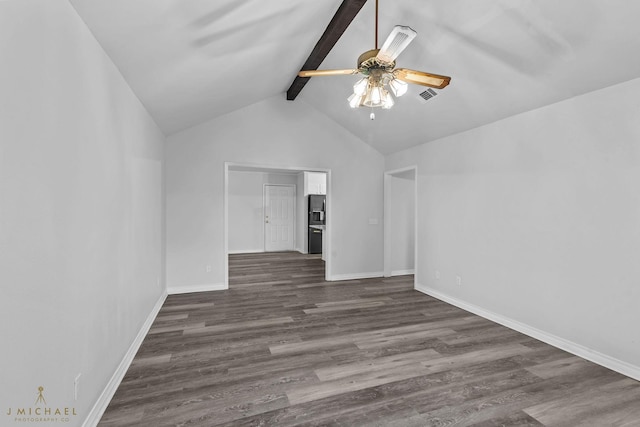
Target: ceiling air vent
point(428, 94)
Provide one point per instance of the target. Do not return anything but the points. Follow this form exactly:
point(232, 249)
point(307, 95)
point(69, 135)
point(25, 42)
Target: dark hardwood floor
point(282, 347)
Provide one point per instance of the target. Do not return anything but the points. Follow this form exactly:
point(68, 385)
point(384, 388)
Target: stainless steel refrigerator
point(317, 218)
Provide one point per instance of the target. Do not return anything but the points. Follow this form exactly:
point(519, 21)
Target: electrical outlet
point(459, 280)
point(208, 269)
point(438, 275)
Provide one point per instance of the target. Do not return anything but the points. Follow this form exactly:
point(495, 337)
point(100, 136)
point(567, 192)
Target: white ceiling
point(192, 60)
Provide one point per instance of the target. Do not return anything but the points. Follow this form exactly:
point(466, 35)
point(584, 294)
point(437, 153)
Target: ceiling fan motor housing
point(368, 61)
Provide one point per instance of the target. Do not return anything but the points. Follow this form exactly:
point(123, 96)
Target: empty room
point(341, 212)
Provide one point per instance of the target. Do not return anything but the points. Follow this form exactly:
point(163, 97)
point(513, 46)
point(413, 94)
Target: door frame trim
point(388, 175)
point(264, 213)
point(275, 168)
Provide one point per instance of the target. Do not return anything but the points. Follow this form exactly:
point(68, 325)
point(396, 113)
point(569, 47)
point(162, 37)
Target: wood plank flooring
point(282, 347)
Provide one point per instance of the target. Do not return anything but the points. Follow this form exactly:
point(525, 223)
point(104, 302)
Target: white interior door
point(279, 217)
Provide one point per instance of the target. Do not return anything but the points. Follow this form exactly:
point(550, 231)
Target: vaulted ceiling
point(193, 60)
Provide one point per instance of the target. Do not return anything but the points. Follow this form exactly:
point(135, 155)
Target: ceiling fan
point(378, 68)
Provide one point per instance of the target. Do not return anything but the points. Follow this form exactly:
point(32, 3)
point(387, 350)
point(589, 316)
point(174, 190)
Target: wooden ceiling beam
point(339, 23)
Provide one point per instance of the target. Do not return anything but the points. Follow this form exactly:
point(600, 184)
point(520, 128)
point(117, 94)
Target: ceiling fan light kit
point(380, 75)
point(371, 92)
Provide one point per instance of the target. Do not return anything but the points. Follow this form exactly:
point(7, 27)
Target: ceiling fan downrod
point(376, 27)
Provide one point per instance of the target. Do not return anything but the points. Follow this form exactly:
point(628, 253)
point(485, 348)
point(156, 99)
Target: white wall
point(80, 210)
point(539, 214)
point(402, 223)
point(246, 208)
point(281, 133)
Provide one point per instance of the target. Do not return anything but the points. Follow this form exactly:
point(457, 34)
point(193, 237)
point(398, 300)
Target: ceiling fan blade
point(421, 78)
point(314, 73)
point(397, 41)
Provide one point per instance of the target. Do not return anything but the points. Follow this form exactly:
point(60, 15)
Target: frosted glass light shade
point(376, 95)
point(398, 87)
point(355, 100)
point(388, 100)
point(360, 88)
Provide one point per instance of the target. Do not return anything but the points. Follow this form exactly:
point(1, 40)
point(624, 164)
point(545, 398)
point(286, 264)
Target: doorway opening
point(401, 222)
point(260, 217)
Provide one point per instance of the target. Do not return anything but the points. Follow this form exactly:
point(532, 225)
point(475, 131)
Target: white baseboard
point(355, 276)
point(614, 364)
point(196, 288)
point(402, 272)
point(107, 394)
point(260, 251)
